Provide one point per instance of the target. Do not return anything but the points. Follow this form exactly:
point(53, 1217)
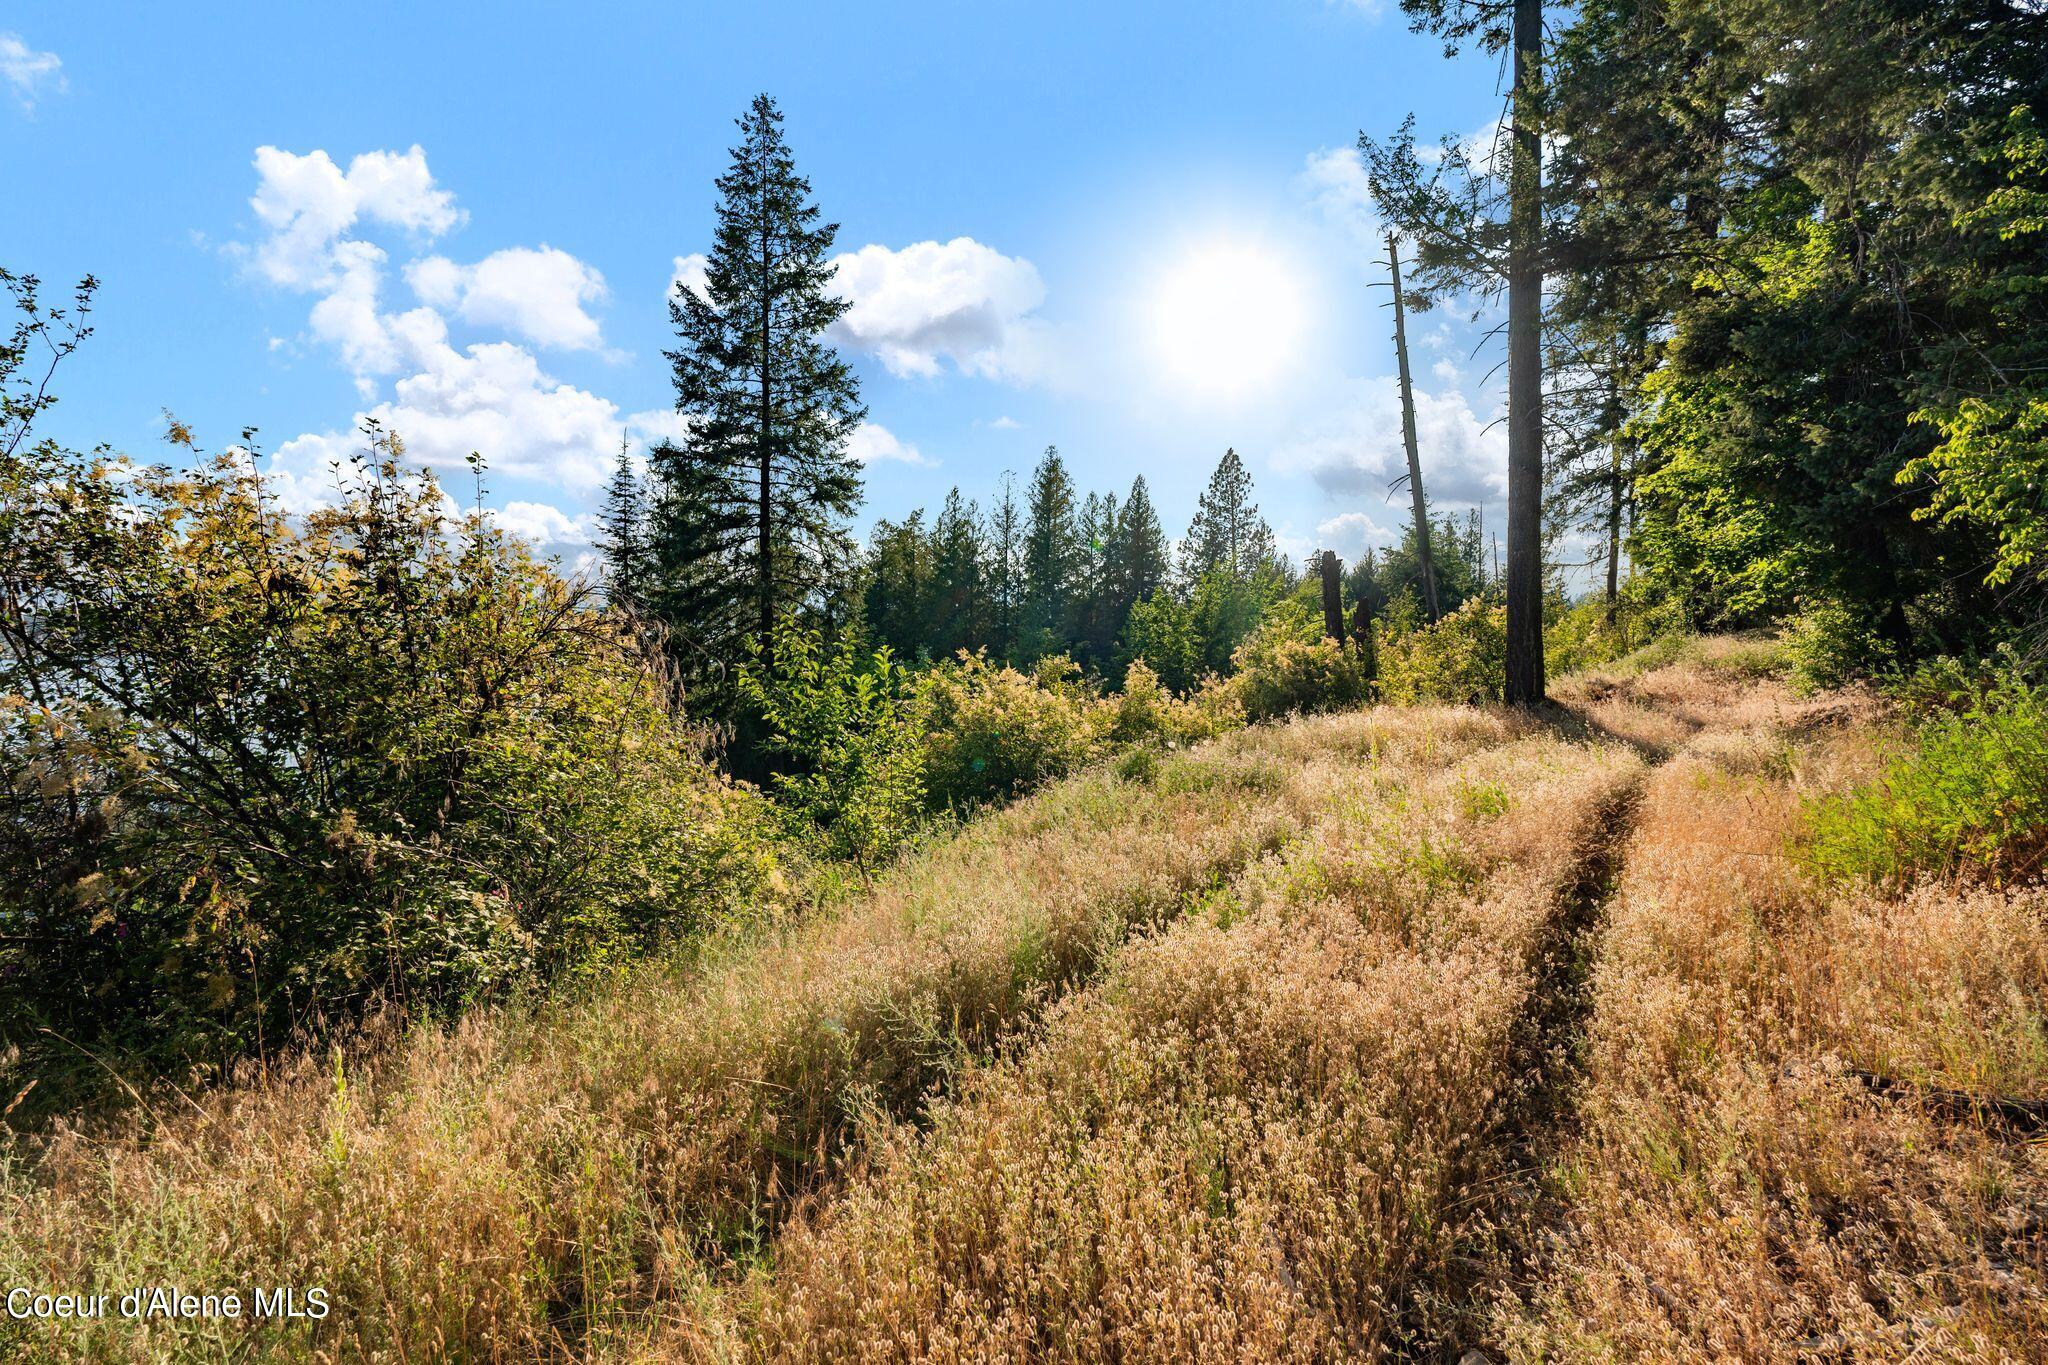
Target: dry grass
point(1738, 1191)
point(1287, 1049)
point(1264, 1137)
point(557, 1181)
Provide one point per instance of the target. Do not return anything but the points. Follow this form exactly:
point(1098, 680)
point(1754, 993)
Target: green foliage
point(1288, 665)
point(1832, 642)
point(1161, 632)
point(1969, 797)
point(258, 771)
point(1585, 634)
point(995, 733)
point(1459, 659)
point(1145, 713)
point(851, 719)
point(1991, 467)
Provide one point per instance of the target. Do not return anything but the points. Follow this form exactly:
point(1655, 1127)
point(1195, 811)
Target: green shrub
point(851, 719)
point(256, 772)
point(1287, 665)
point(993, 733)
point(1461, 658)
point(1832, 642)
point(1145, 713)
point(1969, 797)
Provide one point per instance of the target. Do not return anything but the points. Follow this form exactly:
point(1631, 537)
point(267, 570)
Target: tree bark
point(1424, 558)
point(1333, 597)
point(1523, 680)
point(764, 549)
point(1361, 636)
point(1614, 533)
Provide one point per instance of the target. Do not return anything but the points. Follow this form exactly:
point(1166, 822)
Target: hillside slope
point(1391, 1033)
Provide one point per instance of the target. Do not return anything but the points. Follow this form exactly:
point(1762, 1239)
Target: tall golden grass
point(1264, 1136)
point(557, 1181)
point(1767, 1168)
point(1322, 1041)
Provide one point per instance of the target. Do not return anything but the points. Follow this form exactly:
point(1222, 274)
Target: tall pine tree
point(624, 520)
point(959, 589)
point(1228, 535)
point(1139, 563)
point(770, 403)
point(1005, 572)
point(1052, 559)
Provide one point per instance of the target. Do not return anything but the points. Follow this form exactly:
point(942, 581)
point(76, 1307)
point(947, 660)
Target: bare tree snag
point(1430, 602)
point(1333, 596)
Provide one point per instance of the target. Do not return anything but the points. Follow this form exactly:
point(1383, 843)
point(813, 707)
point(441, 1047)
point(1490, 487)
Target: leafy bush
point(256, 772)
point(1461, 658)
point(1288, 665)
point(851, 719)
point(1145, 713)
point(1833, 642)
point(1969, 797)
point(994, 733)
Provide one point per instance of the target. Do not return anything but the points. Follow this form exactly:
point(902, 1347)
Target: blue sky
point(1135, 231)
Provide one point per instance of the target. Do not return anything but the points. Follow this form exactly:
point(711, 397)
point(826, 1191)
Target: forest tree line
point(1778, 266)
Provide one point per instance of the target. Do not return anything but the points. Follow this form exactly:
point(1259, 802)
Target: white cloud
point(692, 272)
point(307, 203)
point(957, 301)
point(538, 293)
point(492, 398)
point(658, 425)
point(29, 72)
point(1335, 181)
point(546, 526)
point(1357, 450)
point(870, 444)
point(1351, 534)
point(1006, 424)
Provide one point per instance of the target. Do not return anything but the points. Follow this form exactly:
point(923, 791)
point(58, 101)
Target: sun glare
point(1227, 319)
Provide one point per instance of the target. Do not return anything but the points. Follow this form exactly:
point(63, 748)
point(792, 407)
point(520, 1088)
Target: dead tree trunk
point(1361, 638)
point(1424, 558)
point(1333, 596)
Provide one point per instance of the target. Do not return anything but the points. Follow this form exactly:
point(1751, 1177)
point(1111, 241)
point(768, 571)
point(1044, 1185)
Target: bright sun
point(1227, 319)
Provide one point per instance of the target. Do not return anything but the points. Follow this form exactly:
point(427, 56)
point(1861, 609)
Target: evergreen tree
point(900, 598)
point(1481, 227)
point(1227, 535)
point(1139, 564)
point(771, 404)
point(1097, 615)
point(1005, 572)
point(624, 520)
point(959, 589)
point(1052, 560)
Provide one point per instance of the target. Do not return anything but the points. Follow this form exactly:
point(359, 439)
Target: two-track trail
point(1307, 1124)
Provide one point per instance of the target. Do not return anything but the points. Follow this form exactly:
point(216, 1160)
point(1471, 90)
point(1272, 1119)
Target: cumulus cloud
point(957, 301)
point(543, 525)
point(659, 425)
point(1351, 534)
point(493, 398)
point(29, 73)
point(537, 292)
point(307, 203)
point(872, 444)
point(1357, 450)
